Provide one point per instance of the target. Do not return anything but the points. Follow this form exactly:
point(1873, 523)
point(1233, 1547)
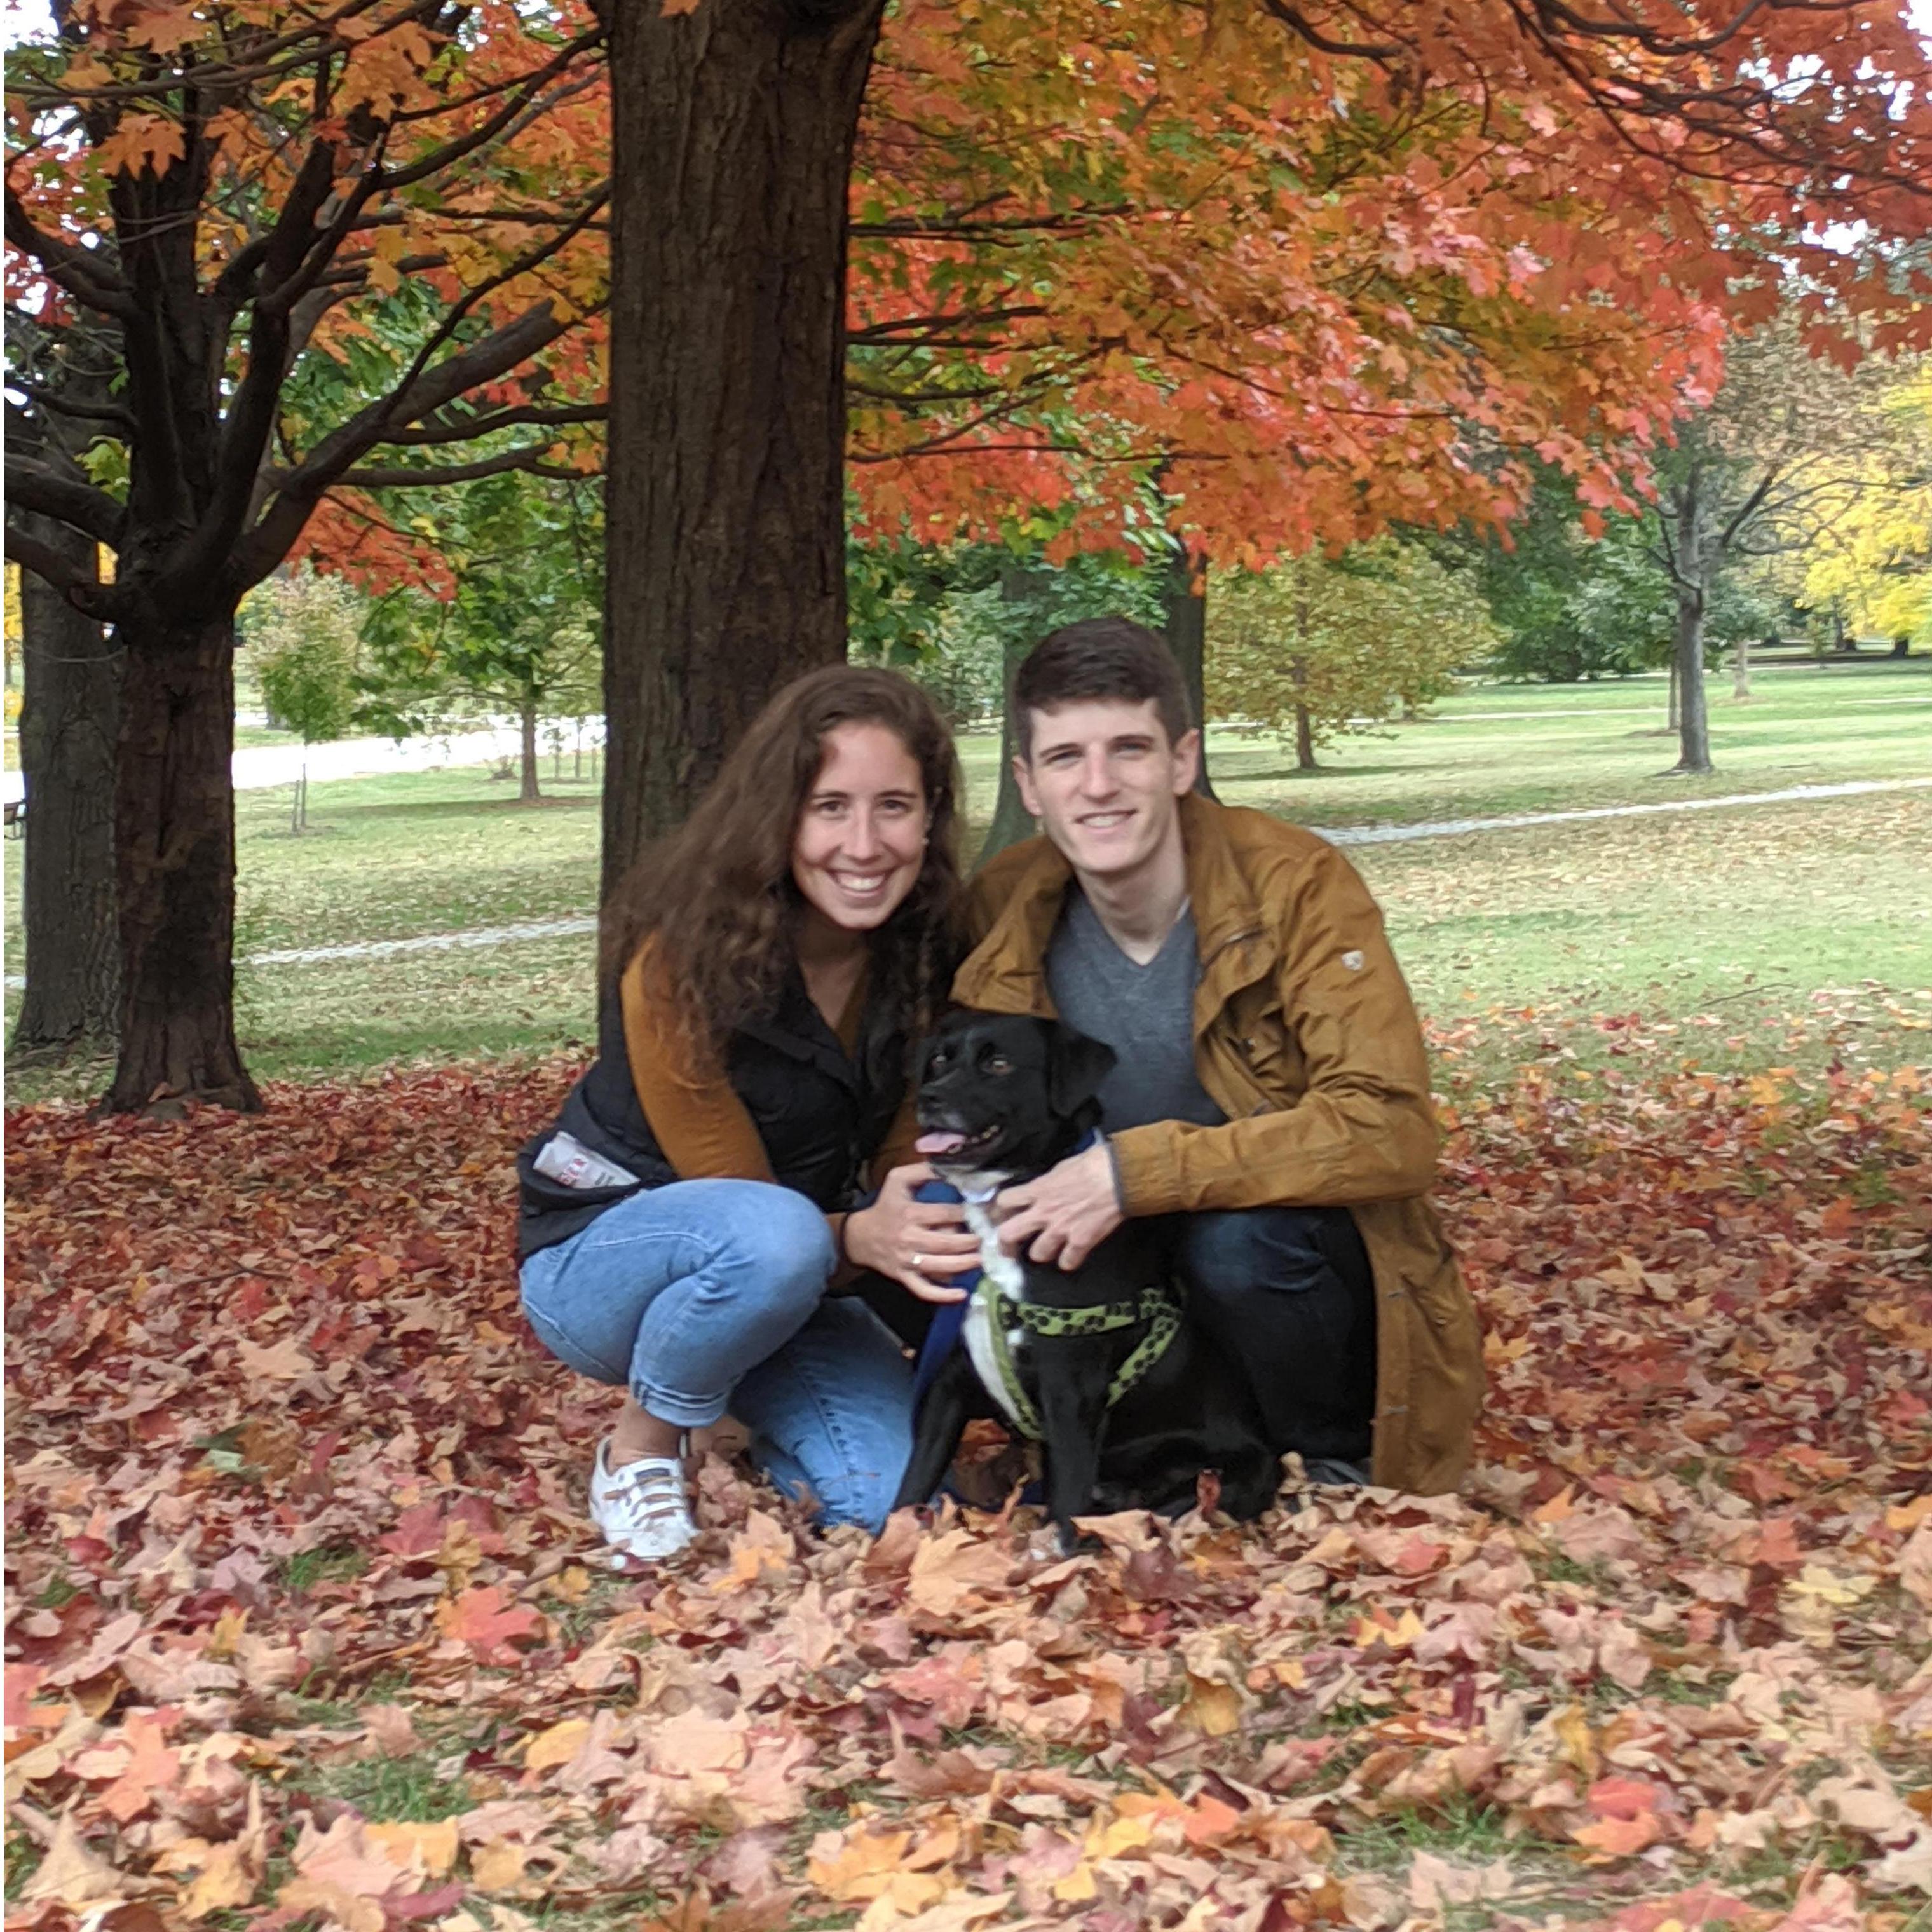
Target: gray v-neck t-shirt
point(1145, 1013)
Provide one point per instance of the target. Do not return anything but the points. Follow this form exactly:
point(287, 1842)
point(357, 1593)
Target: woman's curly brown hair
point(717, 896)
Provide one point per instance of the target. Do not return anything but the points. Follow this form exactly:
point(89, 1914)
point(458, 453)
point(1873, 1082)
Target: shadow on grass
point(462, 808)
point(1294, 773)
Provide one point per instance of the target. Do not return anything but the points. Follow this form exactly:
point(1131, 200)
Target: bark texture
point(175, 807)
point(733, 128)
point(1187, 632)
point(69, 701)
point(1012, 821)
point(1693, 713)
point(528, 792)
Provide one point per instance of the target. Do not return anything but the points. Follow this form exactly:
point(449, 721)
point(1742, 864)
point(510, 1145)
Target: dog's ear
point(1075, 1067)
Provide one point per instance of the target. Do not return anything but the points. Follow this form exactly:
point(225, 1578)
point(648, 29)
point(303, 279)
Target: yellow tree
point(1872, 562)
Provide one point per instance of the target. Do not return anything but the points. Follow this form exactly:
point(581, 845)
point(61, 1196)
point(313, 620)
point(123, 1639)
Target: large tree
point(1322, 267)
point(1768, 472)
point(70, 685)
point(228, 193)
point(733, 127)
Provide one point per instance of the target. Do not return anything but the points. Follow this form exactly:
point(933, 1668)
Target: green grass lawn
point(1572, 746)
point(1761, 932)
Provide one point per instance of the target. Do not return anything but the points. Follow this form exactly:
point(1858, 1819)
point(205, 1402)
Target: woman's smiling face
point(861, 838)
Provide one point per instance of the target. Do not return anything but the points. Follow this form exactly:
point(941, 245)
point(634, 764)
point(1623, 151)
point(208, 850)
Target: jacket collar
point(1007, 972)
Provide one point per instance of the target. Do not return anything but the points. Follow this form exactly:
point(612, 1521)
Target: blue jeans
point(706, 1295)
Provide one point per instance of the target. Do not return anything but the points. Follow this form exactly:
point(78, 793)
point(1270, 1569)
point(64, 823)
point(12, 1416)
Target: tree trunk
point(528, 793)
point(1741, 669)
point(1304, 721)
point(1693, 719)
point(1304, 741)
point(1186, 629)
point(1673, 714)
point(733, 127)
point(299, 804)
point(1012, 821)
point(174, 809)
point(71, 692)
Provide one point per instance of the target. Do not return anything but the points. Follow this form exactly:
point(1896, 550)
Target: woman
point(764, 971)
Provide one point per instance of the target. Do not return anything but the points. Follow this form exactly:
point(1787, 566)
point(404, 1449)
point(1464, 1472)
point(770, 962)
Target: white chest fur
point(1005, 1272)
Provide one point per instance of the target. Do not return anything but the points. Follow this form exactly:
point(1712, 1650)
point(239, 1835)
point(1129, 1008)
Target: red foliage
point(277, 1434)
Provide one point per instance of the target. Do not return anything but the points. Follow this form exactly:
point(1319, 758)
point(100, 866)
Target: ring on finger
point(918, 1263)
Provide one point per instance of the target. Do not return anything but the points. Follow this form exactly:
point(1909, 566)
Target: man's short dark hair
point(1099, 658)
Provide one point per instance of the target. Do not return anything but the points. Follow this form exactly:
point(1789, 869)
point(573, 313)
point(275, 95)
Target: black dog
point(1129, 1399)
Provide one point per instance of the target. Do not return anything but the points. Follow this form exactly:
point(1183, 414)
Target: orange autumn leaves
point(337, 1644)
point(1307, 291)
point(1325, 268)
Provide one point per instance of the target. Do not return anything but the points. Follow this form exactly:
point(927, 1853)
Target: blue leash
point(949, 1318)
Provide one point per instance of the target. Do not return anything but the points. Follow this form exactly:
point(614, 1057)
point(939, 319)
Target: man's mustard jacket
point(1306, 1038)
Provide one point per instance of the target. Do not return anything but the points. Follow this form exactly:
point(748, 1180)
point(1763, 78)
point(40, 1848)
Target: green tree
point(519, 629)
point(1325, 646)
point(300, 634)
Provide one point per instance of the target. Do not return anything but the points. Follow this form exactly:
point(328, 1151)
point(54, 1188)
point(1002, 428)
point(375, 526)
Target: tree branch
point(90, 281)
point(34, 486)
point(467, 430)
point(86, 594)
point(52, 399)
point(495, 355)
point(528, 458)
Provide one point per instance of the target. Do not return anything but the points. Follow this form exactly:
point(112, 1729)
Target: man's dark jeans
point(1287, 1293)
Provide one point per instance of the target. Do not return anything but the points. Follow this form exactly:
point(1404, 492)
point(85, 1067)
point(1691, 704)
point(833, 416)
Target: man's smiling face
point(1104, 782)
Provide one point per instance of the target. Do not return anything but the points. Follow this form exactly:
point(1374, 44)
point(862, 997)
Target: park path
point(1356, 835)
point(263, 767)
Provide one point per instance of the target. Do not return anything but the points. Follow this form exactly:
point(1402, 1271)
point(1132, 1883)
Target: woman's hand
point(912, 1241)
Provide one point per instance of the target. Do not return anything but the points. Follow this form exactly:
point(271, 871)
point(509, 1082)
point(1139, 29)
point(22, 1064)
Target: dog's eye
point(938, 1061)
point(997, 1062)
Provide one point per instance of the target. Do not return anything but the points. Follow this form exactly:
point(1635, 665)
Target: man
point(1270, 1103)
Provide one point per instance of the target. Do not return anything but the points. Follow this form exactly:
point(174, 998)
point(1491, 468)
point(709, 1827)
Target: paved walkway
point(1450, 828)
point(261, 767)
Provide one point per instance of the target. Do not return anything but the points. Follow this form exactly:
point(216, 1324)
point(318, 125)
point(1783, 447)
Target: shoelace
point(653, 1486)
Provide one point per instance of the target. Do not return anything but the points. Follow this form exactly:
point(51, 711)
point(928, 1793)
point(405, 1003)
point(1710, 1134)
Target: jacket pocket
point(1262, 1046)
point(542, 1195)
point(1434, 1283)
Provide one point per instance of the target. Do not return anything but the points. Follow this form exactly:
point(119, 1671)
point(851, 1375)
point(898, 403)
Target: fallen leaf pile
point(306, 1627)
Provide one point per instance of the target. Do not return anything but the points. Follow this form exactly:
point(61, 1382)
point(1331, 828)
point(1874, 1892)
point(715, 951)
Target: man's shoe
point(643, 1508)
point(1330, 1472)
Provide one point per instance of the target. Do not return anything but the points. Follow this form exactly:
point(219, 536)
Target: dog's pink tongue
point(938, 1143)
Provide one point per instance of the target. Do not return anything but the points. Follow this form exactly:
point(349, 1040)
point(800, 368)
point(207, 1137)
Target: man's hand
point(911, 1241)
point(1064, 1215)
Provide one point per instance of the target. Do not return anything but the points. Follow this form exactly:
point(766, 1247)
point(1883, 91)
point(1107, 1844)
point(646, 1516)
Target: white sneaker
point(643, 1508)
